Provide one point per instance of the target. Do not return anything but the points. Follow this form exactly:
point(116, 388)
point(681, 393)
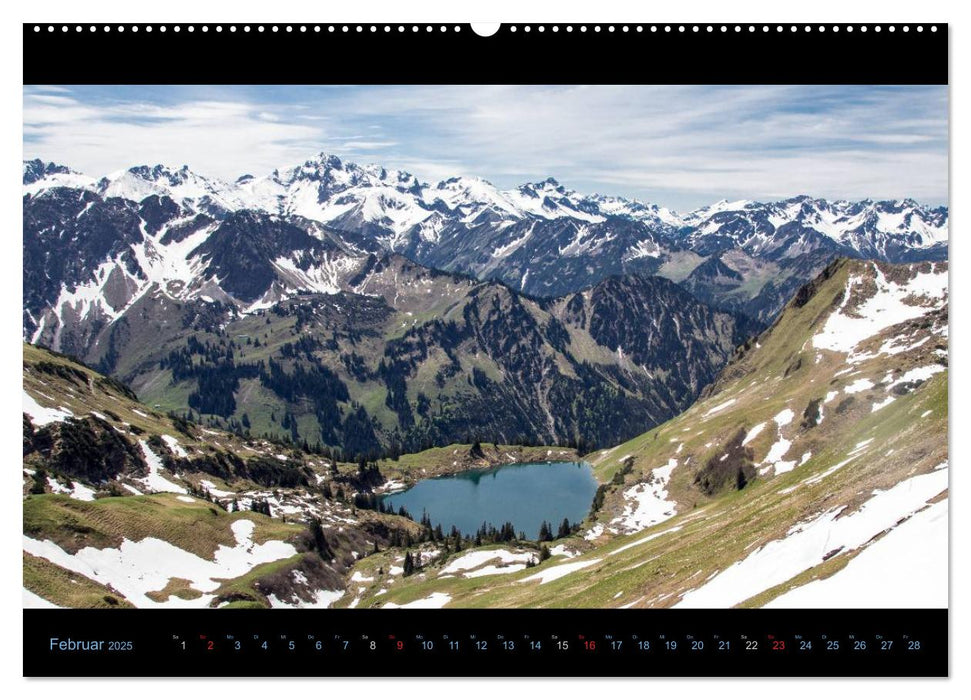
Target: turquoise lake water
point(523, 494)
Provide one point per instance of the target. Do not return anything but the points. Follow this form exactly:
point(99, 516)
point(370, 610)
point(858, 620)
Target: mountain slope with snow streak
point(798, 478)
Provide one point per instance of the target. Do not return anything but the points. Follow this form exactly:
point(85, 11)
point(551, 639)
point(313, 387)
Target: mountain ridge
point(337, 175)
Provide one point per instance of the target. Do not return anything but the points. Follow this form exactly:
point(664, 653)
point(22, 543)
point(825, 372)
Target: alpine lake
point(523, 494)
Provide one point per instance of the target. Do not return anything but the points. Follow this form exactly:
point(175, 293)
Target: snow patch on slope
point(647, 503)
point(889, 306)
point(812, 541)
point(137, 568)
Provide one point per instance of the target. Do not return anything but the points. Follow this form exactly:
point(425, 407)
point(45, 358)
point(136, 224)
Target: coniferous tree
point(40, 482)
point(320, 540)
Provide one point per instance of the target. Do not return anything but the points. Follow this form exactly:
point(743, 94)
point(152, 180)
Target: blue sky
point(679, 146)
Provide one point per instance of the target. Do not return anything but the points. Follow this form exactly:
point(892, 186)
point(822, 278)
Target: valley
point(808, 465)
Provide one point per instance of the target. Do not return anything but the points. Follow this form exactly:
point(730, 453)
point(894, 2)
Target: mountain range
point(356, 306)
point(812, 472)
point(542, 238)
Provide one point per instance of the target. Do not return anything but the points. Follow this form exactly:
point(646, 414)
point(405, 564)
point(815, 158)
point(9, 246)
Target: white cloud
point(679, 145)
point(224, 139)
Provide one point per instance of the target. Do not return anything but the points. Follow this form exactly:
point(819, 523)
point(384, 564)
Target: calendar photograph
point(505, 346)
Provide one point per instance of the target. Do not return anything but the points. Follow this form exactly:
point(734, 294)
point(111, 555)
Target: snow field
point(155, 481)
point(810, 542)
point(322, 599)
point(886, 308)
point(435, 600)
point(41, 416)
point(465, 564)
point(137, 568)
point(646, 503)
point(906, 568)
point(556, 572)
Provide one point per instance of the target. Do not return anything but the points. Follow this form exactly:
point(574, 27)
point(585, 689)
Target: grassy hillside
point(837, 430)
point(824, 435)
point(107, 479)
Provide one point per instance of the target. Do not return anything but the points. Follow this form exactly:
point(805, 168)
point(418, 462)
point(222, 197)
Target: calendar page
point(437, 349)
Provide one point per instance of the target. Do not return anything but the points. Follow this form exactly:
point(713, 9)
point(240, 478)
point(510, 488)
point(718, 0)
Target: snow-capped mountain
point(883, 230)
point(40, 176)
point(542, 238)
point(183, 186)
point(88, 259)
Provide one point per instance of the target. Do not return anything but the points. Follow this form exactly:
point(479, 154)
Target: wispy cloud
point(679, 145)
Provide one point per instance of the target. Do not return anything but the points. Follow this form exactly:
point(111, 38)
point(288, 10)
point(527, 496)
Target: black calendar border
point(665, 54)
point(158, 634)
